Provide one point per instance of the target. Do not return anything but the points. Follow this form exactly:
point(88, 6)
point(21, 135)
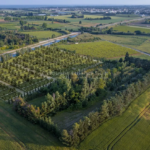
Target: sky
point(74, 2)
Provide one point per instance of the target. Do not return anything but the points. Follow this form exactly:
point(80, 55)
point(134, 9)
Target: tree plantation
point(31, 70)
point(112, 85)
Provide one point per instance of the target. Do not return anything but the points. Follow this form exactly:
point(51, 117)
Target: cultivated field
point(62, 26)
point(124, 131)
point(43, 34)
point(131, 29)
point(75, 21)
point(99, 49)
point(10, 25)
point(139, 42)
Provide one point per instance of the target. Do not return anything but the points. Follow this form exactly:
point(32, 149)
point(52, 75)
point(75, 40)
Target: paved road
point(43, 42)
point(18, 90)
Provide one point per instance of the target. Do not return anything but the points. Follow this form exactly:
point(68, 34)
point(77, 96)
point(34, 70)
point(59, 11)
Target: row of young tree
point(59, 20)
point(32, 113)
point(77, 16)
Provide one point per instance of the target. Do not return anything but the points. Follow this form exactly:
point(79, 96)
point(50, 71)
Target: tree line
point(11, 39)
point(104, 18)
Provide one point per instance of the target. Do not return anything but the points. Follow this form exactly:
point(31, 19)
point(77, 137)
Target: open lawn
point(37, 101)
point(130, 29)
point(130, 131)
point(139, 42)
point(43, 34)
point(99, 49)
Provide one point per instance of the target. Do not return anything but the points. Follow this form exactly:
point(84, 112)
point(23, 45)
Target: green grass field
point(139, 42)
point(127, 15)
point(37, 101)
point(10, 25)
point(131, 29)
point(7, 142)
point(43, 34)
point(143, 56)
point(75, 21)
point(126, 132)
point(85, 36)
point(17, 133)
point(99, 49)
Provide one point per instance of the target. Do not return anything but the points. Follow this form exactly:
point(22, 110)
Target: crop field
point(99, 49)
point(62, 26)
point(42, 34)
point(85, 37)
point(75, 21)
point(127, 15)
point(131, 29)
point(139, 42)
point(49, 23)
point(10, 25)
point(124, 131)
